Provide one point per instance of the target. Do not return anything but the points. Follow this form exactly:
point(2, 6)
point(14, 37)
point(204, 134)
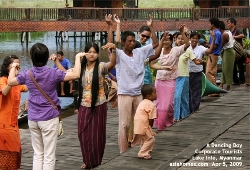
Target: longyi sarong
point(164, 103)
point(181, 98)
point(228, 58)
point(195, 90)
point(92, 134)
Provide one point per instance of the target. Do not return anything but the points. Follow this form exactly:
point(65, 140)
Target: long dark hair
point(95, 79)
point(6, 62)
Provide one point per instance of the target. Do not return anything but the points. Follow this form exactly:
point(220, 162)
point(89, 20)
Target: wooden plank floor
point(215, 122)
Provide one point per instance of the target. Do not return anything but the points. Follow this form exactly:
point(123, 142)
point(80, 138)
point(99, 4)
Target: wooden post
point(27, 39)
point(22, 37)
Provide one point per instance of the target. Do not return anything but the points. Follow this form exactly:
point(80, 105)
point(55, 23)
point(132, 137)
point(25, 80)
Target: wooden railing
point(124, 13)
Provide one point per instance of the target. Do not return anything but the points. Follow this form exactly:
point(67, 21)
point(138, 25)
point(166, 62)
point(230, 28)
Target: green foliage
point(165, 3)
point(6, 36)
point(246, 43)
point(34, 3)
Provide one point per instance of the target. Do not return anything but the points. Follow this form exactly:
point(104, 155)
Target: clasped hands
point(168, 68)
point(109, 46)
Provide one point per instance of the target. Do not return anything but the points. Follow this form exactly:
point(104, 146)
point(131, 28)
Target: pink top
point(145, 111)
point(170, 59)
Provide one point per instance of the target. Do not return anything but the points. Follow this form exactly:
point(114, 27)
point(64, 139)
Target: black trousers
point(241, 69)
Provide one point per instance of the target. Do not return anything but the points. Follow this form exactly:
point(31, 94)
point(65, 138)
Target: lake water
point(10, 43)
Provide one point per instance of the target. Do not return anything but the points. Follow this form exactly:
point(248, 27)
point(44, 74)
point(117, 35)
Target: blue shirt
point(65, 63)
point(148, 79)
point(218, 42)
point(113, 72)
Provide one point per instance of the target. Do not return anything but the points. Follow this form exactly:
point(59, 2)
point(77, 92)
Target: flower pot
point(247, 81)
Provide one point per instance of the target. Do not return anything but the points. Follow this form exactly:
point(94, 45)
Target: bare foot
point(62, 94)
point(148, 157)
point(72, 91)
point(84, 166)
point(221, 86)
point(214, 95)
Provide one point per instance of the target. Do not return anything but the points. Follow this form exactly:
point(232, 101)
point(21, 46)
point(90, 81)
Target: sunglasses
point(145, 36)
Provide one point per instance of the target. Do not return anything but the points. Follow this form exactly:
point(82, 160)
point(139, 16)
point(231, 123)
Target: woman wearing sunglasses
point(144, 36)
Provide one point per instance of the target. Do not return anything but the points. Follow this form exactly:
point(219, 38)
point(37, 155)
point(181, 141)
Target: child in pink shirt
point(143, 122)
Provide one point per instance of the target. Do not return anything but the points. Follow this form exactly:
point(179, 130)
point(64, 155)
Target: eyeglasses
point(145, 36)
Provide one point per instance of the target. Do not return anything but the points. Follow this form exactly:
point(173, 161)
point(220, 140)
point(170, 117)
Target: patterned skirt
point(92, 134)
point(10, 160)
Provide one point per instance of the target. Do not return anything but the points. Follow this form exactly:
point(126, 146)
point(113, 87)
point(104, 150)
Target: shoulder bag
point(239, 50)
point(60, 128)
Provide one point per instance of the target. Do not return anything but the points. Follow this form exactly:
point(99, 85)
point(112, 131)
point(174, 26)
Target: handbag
point(60, 128)
point(239, 50)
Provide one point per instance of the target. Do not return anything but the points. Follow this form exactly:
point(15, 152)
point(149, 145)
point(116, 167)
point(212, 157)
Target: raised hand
point(53, 57)
point(165, 36)
point(108, 19)
point(181, 28)
point(186, 30)
point(116, 19)
point(109, 46)
point(16, 66)
point(150, 22)
point(82, 54)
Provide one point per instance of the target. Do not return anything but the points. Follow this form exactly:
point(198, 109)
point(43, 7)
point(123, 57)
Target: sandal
point(148, 157)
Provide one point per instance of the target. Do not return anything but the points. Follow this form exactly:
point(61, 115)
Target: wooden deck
point(222, 119)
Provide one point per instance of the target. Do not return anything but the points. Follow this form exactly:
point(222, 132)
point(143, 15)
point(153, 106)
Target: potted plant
point(246, 45)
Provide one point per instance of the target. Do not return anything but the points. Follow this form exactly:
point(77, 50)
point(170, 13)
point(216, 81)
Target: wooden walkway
point(220, 120)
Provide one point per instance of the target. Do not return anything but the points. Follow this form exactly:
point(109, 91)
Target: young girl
point(10, 144)
point(92, 104)
point(144, 120)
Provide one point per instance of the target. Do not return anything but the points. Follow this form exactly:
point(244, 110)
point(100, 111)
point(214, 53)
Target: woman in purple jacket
point(43, 118)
